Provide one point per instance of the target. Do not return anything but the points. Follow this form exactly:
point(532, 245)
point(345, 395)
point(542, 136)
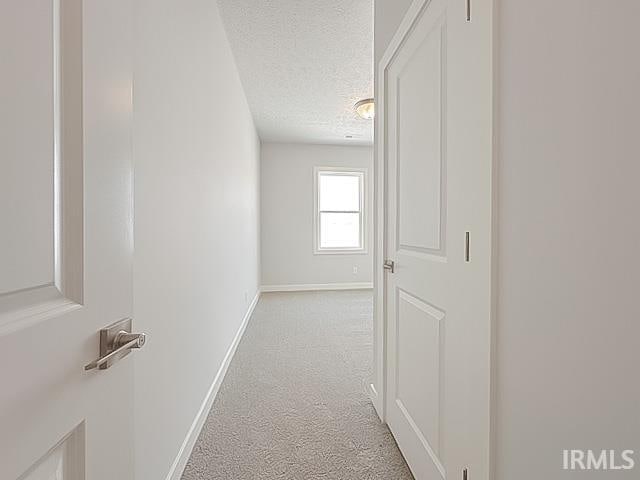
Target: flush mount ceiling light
point(365, 108)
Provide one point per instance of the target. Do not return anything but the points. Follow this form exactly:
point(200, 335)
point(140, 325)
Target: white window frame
point(347, 171)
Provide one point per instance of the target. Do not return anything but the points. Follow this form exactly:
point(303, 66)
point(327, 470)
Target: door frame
point(377, 386)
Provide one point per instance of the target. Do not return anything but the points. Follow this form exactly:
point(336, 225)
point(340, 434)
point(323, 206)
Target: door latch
point(389, 265)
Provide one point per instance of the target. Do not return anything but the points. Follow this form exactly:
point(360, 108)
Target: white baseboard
point(317, 286)
point(376, 400)
point(176, 470)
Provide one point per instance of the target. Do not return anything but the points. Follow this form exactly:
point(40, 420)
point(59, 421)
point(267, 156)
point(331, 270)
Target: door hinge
point(468, 10)
point(465, 474)
point(467, 247)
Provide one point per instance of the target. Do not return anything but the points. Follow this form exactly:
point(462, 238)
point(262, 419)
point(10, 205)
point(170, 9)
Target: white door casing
point(66, 244)
point(435, 168)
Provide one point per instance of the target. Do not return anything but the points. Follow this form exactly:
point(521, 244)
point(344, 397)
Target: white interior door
point(66, 238)
point(437, 147)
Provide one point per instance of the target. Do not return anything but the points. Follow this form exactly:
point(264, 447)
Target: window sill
point(339, 251)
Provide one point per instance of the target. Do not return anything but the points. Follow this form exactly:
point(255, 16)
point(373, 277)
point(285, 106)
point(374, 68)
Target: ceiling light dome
point(365, 108)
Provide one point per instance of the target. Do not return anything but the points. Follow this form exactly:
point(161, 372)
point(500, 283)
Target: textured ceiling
point(303, 64)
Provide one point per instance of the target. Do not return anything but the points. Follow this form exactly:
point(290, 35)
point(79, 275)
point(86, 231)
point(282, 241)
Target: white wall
point(568, 325)
point(196, 217)
point(387, 17)
point(287, 215)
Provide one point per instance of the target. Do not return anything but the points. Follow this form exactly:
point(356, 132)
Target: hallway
point(293, 404)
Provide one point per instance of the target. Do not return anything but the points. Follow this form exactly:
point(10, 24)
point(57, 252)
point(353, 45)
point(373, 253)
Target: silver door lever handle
point(389, 265)
point(123, 342)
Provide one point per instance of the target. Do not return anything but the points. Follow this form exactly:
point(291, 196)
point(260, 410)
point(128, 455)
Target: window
point(339, 213)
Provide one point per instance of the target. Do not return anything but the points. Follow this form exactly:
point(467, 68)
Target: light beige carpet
point(293, 404)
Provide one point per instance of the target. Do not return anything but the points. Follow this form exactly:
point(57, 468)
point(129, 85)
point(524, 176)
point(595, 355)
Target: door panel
point(66, 244)
point(438, 170)
point(26, 138)
point(417, 320)
point(420, 207)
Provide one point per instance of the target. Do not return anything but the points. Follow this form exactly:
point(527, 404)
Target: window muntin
point(339, 221)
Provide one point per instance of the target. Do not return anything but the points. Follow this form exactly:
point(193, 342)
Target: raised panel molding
point(56, 282)
point(65, 461)
point(419, 73)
